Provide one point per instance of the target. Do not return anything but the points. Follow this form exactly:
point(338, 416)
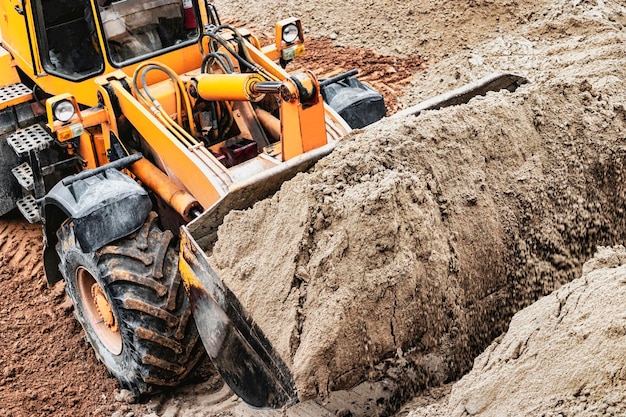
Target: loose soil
point(47, 368)
point(407, 251)
point(562, 356)
point(415, 241)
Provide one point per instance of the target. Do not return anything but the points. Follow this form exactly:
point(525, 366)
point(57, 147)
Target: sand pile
point(408, 250)
point(562, 356)
point(413, 244)
point(570, 39)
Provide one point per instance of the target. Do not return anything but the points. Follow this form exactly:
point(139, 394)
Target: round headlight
point(290, 33)
point(64, 110)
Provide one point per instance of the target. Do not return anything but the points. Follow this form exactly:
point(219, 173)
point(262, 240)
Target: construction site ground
point(514, 198)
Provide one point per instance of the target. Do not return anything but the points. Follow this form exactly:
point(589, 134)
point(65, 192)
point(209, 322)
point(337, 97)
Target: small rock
point(125, 396)
point(476, 60)
point(58, 289)
point(8, 372)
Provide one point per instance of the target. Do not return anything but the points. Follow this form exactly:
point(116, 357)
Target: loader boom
point(196, 113)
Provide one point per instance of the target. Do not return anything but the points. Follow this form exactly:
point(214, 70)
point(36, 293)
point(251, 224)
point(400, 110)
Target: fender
point(104, 206)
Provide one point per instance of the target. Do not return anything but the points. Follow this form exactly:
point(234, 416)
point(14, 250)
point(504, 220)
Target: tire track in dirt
point(46, 368)
point(20, 247)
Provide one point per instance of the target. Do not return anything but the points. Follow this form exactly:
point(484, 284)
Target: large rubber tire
point(148, 337)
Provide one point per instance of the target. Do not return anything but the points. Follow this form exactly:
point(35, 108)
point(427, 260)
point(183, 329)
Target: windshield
point(135, 28)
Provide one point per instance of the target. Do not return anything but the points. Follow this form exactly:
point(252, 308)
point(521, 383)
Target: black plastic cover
point(104, 207)
point(356, 102)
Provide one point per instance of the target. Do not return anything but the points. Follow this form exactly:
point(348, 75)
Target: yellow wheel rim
point(98, 311)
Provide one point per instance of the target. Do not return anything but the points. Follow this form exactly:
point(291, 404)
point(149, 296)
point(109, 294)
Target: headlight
point(290, 33)
point(64, 110)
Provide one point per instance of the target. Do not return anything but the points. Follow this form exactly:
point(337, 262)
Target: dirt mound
point(561, 356)
point(563, 39)
point(410, 247)
point(433, 29)
point(417, 239)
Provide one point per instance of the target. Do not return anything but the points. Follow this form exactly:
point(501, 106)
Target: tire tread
point(142, 278)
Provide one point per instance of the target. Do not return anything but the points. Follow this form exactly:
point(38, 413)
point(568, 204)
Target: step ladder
point(31, 138)
point(23, 141)
point(24, 175)
point(13, 94)
point(27, 205)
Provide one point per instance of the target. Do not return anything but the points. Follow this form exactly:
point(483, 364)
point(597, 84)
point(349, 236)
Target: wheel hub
point(103, 307)
point(98, 310)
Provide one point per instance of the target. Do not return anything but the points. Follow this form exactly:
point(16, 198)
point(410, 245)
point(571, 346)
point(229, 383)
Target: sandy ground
point(530, 179)
point(561, 356)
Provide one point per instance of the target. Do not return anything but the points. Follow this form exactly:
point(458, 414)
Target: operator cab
point(75, 42)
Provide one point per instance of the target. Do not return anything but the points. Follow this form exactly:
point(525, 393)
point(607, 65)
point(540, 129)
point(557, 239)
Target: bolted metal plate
point(24, 175)
point(32, 138)
point(13, 94)
point(29, 209)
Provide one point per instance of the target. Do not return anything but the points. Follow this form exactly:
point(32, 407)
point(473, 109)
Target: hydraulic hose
point(176, 129)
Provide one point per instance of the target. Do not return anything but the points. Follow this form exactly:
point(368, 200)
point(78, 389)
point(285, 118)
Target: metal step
point(13, 94)
point(29, 209)
point(32, 138)
point(24, 175)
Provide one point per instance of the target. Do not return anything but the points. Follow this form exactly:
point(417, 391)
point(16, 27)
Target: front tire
point(129, 300)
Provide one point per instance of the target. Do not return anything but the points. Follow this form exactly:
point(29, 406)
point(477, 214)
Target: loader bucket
point(235, 344)
point(492, 82)
point(238, 348)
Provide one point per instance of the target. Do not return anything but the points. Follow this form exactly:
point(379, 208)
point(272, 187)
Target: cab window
point(67, 38)
point(138, 28)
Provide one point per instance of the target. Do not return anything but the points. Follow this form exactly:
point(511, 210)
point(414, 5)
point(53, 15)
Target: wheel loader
point(129, 129)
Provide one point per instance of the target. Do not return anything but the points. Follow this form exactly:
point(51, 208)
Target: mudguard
point(104, 207)
point(94, 204)
point(356, 102)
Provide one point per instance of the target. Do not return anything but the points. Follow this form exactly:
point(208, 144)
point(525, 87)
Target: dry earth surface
point(562, 356)
point(420, 236)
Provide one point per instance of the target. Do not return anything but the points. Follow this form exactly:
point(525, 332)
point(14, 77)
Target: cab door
point(14, 25)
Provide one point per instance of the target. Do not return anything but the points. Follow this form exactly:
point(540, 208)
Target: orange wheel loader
point(129, 129)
